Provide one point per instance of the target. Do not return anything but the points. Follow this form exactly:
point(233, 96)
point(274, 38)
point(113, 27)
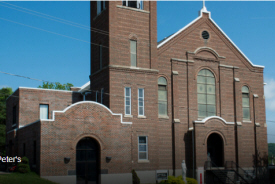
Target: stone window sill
point(143, 161)
point(128, 116)
point(163, 117)
point(141, 117)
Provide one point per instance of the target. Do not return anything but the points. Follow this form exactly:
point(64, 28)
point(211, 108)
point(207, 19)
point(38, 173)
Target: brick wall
point(86, 119)
point(188, 63)
point(31, 98)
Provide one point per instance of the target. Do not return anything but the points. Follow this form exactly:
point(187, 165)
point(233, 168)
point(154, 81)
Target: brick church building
point(193, 96)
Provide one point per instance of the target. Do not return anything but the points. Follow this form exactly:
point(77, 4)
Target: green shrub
point(24, 160)
point(23, 166)
point(178, 180)
point(173, 180)
point(191, 181)
point(135, 177)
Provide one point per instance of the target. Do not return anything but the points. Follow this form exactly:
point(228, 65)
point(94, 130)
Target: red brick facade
point(181, 135)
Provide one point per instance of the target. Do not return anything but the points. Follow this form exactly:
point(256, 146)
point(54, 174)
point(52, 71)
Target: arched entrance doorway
point(87, 161)
point(215, 149)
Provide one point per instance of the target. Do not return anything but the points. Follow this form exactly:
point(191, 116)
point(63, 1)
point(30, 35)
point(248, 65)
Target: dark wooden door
point(87, 161)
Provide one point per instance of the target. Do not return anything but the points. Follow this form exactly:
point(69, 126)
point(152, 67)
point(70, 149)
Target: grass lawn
point(19, 178)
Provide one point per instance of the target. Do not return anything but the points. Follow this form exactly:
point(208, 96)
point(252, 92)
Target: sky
point(50, 40)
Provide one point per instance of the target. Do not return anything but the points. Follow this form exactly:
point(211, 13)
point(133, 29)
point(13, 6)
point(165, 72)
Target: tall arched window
point(245, 97)
point(162, 96)
point(206, 93)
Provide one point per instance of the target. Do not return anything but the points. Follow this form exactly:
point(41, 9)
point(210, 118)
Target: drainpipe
point(235, 121)
point(173, 124)
point(193, 144)
point(220, 96)
point(255, 137)
point(188, 119)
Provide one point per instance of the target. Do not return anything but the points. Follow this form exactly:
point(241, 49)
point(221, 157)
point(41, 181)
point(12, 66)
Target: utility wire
point(49, 31)
point(60, 20)
point(119, 51)
point(91, 29)
point(24, 77)
point(56, 19)
point(142, 56)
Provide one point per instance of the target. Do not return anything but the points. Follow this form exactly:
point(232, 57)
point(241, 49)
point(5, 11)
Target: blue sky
point(41, 48)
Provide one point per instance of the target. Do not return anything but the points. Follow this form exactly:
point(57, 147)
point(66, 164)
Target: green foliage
point(2, 140)
point(271, 152)
point(191, 181)
point(4, 94)
point(271, 149)
point(23, 166)
point(178, 180)
point(56, 85)
point(135, 177)
point(24, 160)
point(173, 180)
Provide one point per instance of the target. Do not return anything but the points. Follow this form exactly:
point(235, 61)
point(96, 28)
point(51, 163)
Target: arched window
point(162, 96)
point(206, 93)
point(245, 97)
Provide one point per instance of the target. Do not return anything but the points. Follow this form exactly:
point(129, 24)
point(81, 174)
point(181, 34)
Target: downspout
point(255, 137)
point(173, 124)
point(150, 38)
point(220, 98)
point(193, 144)
point(235, 122)
point(188, 119)
point(187, 87)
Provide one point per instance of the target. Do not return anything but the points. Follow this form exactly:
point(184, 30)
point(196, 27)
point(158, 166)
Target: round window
point(205, 35)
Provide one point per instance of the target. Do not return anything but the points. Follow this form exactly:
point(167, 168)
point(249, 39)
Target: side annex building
point(148, 106)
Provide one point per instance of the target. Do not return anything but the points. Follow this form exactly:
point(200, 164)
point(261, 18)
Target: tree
point(271, 152)
point(56, 85)
point(4, 94)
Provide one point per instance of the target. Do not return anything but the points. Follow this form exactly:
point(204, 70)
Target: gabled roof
point(204, 10)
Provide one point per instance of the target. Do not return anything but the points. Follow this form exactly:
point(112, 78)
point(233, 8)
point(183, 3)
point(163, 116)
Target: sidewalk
point(1, 172)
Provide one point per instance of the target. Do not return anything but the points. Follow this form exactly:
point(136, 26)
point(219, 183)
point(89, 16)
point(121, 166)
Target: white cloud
point(269, 91)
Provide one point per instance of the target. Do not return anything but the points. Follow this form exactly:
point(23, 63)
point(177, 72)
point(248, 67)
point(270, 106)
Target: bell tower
point(123, 45)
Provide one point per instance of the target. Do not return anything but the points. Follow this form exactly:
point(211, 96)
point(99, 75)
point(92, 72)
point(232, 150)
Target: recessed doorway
point(215, 150)
point(87, 161)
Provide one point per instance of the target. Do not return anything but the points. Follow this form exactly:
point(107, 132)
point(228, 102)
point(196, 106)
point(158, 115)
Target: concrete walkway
point(1, 172)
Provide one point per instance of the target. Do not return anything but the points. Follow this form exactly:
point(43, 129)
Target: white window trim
point(161, 101)
point(125, 100)
point(131, 41)
point(142, 114)
point(143, 151)
point(139, 3)
point(47, 113)
point(248, 107)
point(207, 95)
